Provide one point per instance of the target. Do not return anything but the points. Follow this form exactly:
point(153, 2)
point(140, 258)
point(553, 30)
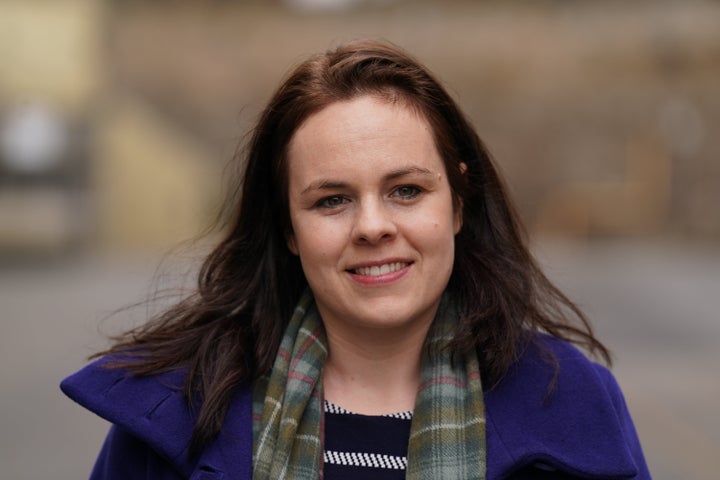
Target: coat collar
point(581, 428)
point(154, 409)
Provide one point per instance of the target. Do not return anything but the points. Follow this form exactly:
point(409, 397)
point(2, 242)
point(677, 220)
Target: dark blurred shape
point(43, 181)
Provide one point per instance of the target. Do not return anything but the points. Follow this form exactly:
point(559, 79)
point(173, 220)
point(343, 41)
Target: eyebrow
point(324, 184)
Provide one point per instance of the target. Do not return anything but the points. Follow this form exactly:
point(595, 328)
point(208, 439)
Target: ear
point(458, 219)
point(291, 242)
point(458, 214)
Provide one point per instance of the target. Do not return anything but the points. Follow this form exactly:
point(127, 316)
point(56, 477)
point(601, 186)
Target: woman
point(372, 310)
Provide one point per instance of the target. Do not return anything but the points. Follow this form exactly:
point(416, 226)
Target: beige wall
point(149, 183)
point(153, 185)
point(51, 51)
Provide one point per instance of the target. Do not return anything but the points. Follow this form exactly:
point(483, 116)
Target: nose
point(373, 223)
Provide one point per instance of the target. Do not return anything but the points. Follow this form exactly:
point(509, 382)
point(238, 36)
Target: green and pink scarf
point(447, 434)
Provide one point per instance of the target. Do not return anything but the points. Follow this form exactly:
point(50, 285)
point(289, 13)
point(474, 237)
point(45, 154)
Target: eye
point(407, 191)
point(331, 202)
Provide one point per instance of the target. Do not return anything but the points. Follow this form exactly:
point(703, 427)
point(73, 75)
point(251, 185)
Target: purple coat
point(583, 429)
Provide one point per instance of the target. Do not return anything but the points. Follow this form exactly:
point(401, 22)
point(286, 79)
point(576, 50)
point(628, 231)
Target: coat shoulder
point(154, 411)
point(151, 408)
point(558, 409)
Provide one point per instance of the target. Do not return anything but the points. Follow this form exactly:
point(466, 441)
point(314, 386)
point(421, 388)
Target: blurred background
point(117, 119)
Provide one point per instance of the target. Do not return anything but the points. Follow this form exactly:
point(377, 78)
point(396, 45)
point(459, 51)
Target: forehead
point(366, 131)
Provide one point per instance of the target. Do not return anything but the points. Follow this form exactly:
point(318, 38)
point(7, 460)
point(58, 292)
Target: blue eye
point(407, 191)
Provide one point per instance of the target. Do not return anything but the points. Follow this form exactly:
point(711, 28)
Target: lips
point(377, 270)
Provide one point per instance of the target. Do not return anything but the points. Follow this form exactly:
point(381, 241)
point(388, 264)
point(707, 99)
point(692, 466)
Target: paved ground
point(656, 305)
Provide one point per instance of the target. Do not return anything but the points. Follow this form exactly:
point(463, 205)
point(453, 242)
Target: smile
point(378, 270)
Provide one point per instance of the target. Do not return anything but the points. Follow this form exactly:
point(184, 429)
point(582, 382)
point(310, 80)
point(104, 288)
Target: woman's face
point(372, 215)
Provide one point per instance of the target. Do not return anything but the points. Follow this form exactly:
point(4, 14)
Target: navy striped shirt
point(365, 446)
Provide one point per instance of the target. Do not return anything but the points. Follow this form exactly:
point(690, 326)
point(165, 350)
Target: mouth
point(378, 270)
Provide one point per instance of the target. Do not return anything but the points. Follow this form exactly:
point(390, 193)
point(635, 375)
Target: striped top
point(365, 446)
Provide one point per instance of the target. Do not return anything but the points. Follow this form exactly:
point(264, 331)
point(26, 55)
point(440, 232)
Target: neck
point(375, 372)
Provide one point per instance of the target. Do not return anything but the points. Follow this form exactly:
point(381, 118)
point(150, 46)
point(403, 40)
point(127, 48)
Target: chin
point(392, 317)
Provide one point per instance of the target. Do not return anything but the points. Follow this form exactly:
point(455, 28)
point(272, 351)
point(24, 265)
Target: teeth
point(381, 269)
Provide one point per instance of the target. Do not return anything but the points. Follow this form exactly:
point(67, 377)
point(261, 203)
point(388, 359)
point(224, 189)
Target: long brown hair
point(227, 333)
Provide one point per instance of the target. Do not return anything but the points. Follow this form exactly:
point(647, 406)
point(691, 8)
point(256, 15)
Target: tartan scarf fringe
point(447, 433)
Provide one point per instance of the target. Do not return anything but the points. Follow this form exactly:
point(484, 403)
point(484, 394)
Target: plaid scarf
point(447, 434)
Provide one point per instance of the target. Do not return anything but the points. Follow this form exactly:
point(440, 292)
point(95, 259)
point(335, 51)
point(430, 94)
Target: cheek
point(435, 235)
point(317, 243)
point(438, 223)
